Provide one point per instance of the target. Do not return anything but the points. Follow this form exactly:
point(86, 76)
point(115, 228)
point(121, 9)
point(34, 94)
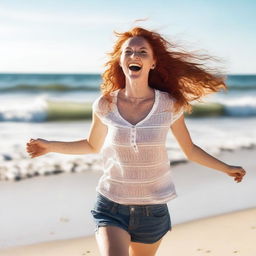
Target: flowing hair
point(180, 73)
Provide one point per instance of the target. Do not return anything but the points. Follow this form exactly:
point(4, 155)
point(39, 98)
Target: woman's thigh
point(141, 249)
point(113, 241)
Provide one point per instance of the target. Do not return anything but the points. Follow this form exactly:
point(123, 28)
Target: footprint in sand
point(207, 251)
point(86, 252)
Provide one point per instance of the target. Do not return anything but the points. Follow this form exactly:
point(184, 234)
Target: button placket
point(133, 139)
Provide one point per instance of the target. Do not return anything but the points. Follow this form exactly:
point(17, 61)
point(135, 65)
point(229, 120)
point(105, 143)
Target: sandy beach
point(227, 234)
point(212, 215)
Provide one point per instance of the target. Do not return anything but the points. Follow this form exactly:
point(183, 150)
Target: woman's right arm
point(91, 145)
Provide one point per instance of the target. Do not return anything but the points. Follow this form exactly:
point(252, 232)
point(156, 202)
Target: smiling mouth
point(134, 67)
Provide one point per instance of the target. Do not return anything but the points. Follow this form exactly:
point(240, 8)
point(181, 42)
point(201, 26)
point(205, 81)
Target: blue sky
point(74, 36)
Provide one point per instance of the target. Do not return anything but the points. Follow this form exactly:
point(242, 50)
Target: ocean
point(50, 197)
point(41, 97)
point(58, 107)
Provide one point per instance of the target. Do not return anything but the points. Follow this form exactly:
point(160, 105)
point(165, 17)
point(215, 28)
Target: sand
point(212, 215)
point(225, 235)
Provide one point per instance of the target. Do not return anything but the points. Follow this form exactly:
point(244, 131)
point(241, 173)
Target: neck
point(137, 89)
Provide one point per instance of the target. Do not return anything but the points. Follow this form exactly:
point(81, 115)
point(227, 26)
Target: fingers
point(34, 154)
point(239, 175)
point(31, 152)
point(32, 141)
point(238, 179)
point(237, 172)
point(32, 149)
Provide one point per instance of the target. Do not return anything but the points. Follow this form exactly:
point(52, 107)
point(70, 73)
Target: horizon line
point(82, 73)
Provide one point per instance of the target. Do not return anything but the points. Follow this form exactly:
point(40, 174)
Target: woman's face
point(136, 58)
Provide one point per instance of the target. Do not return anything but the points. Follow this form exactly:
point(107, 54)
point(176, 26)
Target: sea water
point(31, 106)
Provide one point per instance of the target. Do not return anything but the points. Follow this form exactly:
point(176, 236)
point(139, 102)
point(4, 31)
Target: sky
point(74, 36)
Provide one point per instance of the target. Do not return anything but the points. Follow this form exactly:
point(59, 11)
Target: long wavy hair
point(182, 74)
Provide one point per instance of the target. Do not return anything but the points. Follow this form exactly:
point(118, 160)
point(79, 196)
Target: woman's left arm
point(198, 155)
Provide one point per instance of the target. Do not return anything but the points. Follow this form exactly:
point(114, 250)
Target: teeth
point(134, 64)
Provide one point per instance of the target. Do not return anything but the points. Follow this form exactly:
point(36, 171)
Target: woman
point(146, 88)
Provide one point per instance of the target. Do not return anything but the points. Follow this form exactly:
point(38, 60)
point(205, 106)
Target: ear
point(154, 64)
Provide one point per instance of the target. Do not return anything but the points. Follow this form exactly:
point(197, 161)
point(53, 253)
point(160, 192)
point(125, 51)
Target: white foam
point(236, 104)
point(23, 109)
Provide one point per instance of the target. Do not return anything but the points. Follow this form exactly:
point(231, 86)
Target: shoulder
point(102, 105)
point(168, 103)
point(99, 102)
point(166, 98)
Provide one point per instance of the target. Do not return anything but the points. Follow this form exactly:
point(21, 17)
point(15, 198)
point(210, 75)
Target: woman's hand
point(237, 172)
point(38, 147)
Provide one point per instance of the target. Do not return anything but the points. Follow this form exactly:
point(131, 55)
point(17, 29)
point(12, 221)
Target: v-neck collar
point(115, 94)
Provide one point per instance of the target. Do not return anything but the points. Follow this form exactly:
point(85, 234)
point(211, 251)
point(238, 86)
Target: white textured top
point(135, 161)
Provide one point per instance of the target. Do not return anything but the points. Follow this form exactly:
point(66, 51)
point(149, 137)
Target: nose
point(134, 54)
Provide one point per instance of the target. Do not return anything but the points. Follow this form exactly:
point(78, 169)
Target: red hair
point(180, 73)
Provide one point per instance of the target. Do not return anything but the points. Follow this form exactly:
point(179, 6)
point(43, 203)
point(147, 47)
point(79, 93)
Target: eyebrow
point(140, 47)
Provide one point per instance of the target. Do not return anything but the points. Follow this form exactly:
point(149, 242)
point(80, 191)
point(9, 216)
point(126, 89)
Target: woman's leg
point(113, 241)
point(140, 249)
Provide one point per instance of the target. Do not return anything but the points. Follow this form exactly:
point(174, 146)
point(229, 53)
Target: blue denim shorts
point(145, 223)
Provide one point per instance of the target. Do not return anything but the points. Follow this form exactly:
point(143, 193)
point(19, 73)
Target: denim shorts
point(145, 223)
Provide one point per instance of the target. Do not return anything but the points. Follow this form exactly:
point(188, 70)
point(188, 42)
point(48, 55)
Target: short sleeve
point(100, 107)
point(176, 115)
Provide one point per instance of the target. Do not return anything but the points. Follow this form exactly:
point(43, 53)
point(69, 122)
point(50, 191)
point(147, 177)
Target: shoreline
point(226, 234)
point(26, 168)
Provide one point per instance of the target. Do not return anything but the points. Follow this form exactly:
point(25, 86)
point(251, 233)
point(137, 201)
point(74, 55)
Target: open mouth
point(134, 67)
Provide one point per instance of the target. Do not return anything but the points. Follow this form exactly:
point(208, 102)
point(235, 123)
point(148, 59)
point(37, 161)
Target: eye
point(128, 52)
